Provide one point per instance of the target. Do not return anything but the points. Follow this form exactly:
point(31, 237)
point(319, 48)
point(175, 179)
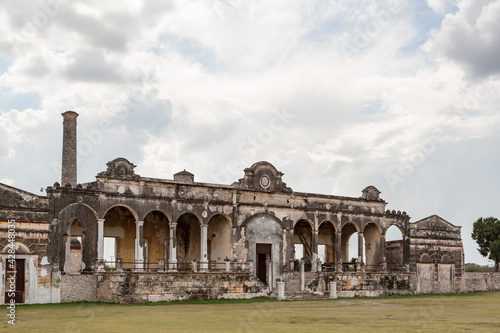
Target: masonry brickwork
point(179, 238)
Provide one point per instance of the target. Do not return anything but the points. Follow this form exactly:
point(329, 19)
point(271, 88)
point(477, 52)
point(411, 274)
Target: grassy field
point(478, 312)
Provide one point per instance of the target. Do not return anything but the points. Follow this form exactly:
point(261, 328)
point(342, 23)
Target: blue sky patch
point(20, 102)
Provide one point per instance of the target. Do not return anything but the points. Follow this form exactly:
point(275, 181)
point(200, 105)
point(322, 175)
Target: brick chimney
point(69, 149)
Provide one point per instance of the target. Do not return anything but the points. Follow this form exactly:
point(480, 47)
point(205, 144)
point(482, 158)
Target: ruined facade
point(124, 237)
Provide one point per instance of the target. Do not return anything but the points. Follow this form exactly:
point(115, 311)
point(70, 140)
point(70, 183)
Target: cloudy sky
point(336, 94)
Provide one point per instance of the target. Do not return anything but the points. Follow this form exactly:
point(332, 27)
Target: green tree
point(486, 233)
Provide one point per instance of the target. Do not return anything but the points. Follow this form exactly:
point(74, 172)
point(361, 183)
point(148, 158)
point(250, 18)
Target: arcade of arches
point(257, 224)
point(157, 243)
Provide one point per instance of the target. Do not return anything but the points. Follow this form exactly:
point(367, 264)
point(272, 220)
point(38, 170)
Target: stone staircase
point(292, 286)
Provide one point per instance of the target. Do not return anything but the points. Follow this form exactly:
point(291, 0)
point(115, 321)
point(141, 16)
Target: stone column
point(383, 261)
point(302, 275)
point(360, 252)
point(314, 250)
point(333, 289)
point(166, 246)
point(269, 271)
point(318, 265)
point(139, 249)
point(281, 290)
point(338, 251)
point(172, 261)
point(100, 239)
point(69, 151)
point(161, 265)
point(119, 264)
point(204, 255)
point(251, 268)
point(290, 249)
point(67, 254)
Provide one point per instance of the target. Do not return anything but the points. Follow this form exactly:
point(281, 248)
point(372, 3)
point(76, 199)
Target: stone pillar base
point(204, 266)
point(172, 265)
point(281, 290)
point(333, 289)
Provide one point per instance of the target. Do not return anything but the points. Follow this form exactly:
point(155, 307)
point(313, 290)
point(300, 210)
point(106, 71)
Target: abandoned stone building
point(129, 238)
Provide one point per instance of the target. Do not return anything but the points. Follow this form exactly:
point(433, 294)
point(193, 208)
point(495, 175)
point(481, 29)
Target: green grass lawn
point(473, 312)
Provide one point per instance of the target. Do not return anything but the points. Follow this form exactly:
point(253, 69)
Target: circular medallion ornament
point(265, 181)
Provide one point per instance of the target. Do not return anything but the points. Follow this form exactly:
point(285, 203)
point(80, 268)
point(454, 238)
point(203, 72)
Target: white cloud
point(197, 85)
point(441, 6)
point(471, 38)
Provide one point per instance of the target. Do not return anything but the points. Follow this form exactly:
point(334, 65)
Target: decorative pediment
point(120, 168)
point(371, 193)
point(263, 176)
point(435, 223)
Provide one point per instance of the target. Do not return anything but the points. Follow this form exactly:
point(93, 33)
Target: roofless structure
point(128, 238)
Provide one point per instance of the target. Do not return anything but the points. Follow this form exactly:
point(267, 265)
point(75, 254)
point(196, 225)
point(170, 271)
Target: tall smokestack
point(69, 148)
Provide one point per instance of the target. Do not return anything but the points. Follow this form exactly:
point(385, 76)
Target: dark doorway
point(263, 253)
point(16, 270)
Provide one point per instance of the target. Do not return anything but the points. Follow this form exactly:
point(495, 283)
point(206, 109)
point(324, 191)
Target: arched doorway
point(350, 247)
point(219, 244)
point(327, 247)
point(394, 248)
point(188, 236)
point(74, 247)
point(119, 234)
point(374, 250)
point(303, 243)
point(156, 236)
point(15, 269)
point(265, 242)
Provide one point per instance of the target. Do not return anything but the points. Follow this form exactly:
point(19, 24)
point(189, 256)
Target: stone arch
point(446, 259)
point(130, 209)
point(354, 224)
point(374, 246)
point(348, 230)
point(327, 242)
point(88, 235)
point(390, 227)
point(311, 224)
point(80, 204)
point(375, 225)
point(198, 217)
point(266, 215)
point(156, 237)
point(219, 238)
point(303, 242)
point(425, 258)
point(209, 217)
point(74, 235)
point(188, 236)
point(168, 217)
point(264, 236)
point(120, 226)
point(19, 247)
point(331, 222)
point(394, 247)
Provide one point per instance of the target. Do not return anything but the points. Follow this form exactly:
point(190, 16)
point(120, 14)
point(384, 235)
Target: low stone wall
point(481, 281)
point(369, 284)
point(135, 287)
point(78, 288)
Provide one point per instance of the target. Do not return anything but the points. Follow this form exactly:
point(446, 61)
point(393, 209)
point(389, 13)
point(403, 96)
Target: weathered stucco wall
point(78, 288)
point(394, 253)
point(148, 287)
point(350, 285)
point(481, 282)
